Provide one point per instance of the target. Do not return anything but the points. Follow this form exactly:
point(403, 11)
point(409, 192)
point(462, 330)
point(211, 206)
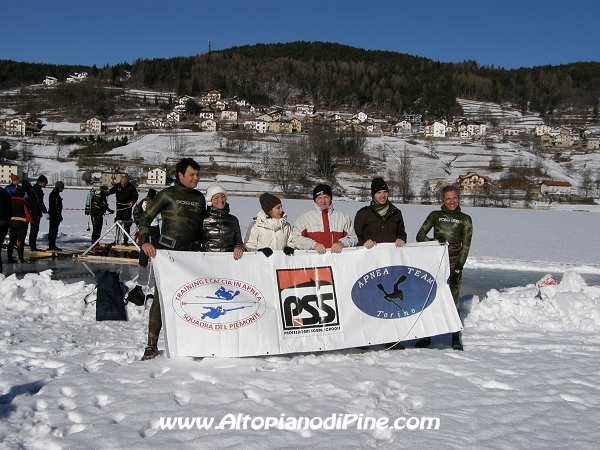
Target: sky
point(502, 33)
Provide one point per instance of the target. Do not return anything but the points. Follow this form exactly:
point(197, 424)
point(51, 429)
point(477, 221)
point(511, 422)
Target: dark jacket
point(221, 231)
point(370, 225)
point(55, 205)
point(455, 227)
point(36, 201)
point(182, 210)
point(21, 211)
point(99, 205)
point(5, 205)
point(124, 194)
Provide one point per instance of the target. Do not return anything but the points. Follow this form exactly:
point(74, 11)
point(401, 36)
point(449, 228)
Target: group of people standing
point(192, 221)
point(22, 205)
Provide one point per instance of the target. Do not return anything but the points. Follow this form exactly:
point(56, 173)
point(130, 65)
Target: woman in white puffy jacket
point(270, 229)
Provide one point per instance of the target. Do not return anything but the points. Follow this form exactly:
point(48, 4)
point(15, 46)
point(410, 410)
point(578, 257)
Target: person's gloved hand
point(441, 239)
point(455, 274)
point(110, 211)
point(288, 250)
point(266, 251)
point(46, 216)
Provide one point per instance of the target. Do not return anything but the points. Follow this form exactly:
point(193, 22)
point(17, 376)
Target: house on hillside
point(435, 129)
point(208, 125)
point(111, 178)
point(555, 188)
point(403, 126)
point(472, 182)
point(229, 115)
point(49, 81)
point(127, 127)
point(8, 168)
point(93, 125)
point(156, 177)
point(15, 127)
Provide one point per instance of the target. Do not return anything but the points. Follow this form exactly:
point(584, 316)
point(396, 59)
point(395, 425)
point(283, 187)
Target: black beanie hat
point(268, 202)
point(322, 189)
point(42, 179)
point(151, 193)
point(378, 184)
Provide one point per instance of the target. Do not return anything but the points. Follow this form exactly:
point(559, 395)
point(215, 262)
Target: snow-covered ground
point(528, 377)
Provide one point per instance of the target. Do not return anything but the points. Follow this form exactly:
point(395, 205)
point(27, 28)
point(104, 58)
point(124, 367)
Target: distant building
point(49, 81)
point(6, 169)
point(15, 127)
point(111, 178)
point(472, 181)
point(156, 177)
point(93, 126)
point(555, 188)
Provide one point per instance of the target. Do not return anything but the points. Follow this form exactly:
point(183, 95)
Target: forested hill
point(335, 75)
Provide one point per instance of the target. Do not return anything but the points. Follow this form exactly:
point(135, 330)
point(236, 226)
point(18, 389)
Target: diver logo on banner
point(394, 292)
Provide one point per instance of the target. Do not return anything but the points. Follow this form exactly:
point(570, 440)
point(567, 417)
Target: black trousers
point(33, 232)
point(96, 227)
point(53, 232)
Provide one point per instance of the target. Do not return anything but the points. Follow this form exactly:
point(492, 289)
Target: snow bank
point(567, 306)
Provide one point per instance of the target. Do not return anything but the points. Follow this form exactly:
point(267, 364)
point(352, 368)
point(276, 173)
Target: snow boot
point(150, 352)
point(423, 343)
point(456, 343)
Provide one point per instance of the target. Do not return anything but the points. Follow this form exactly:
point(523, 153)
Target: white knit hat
point(212, 190)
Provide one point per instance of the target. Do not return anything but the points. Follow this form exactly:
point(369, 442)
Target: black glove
point(288, 250)
point(441, 239)
point(266, 251)
point(455, 274)
point(143, 259)
point(110, 211)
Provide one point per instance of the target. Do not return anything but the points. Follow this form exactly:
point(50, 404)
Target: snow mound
point(570, 305)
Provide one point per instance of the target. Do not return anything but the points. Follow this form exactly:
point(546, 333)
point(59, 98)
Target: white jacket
point(310, 229)
point(264, 231)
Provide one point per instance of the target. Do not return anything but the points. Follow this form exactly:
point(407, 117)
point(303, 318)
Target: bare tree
point(404, 176)
point(586, 183)
point(59, 149)
point(285, 163)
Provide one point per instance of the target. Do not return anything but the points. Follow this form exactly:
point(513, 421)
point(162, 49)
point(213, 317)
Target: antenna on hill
point(209, 50)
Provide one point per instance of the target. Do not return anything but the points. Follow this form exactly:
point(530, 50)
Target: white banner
point(213, 305)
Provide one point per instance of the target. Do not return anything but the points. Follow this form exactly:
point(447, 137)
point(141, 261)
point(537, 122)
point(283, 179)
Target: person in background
point(38, 209)
point(12, 187)
point(323, 228)
point(453, 226)
point(19, 222)
point(55, 207)
point(182, 208)
point(98, 208)
point(126, 196)
point(221, 229)
point(5, 215)
point(380, 222)
point(270, 229)
point(155, 225)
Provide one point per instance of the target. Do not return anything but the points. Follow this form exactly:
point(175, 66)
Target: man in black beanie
point(38, 209)
point(323, 228)
point(379, 222)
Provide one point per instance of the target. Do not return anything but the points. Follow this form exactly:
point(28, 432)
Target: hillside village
point(484, 126)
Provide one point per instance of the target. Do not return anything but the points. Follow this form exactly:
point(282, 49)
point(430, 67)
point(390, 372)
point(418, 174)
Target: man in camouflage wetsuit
point(453, 226)
point(182, 209)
